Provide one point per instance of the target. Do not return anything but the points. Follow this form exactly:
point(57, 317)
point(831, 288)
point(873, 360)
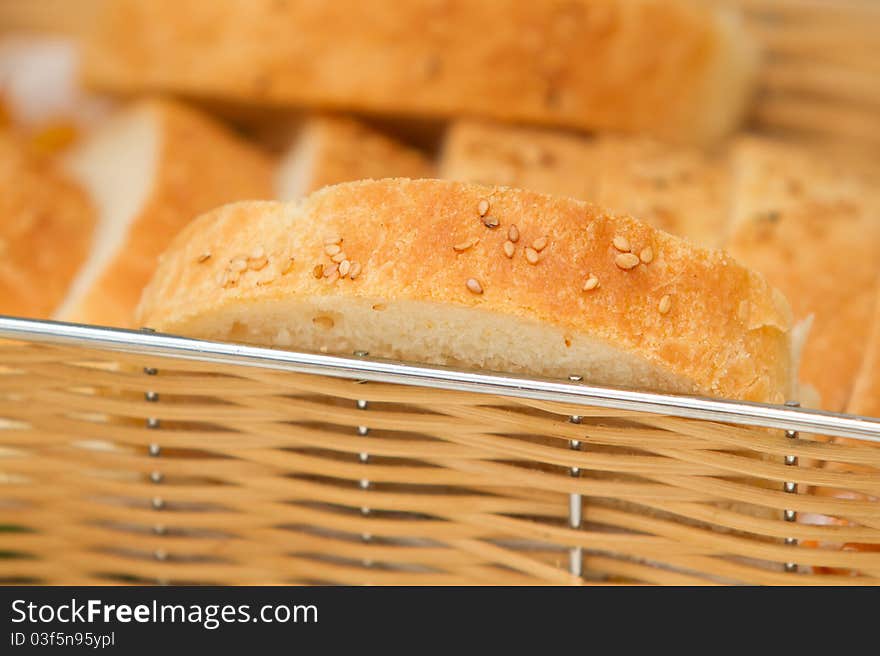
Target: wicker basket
point(133, 457)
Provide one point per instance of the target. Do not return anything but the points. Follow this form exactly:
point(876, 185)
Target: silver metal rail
point(384, 371)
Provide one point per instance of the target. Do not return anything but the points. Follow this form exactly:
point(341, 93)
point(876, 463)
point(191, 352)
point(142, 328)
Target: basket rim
point(359, 366)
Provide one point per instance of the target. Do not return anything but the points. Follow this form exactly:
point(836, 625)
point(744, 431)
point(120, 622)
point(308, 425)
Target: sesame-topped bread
point(46, 223)
point(678, 69)
point(488, 277)
point(150, 169)
point(328, 150)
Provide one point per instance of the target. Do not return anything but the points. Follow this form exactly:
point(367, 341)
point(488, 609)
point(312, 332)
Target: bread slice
point(679, 189)
point(548, 161)
point(433, 283)
point(46, 223)
point(682, 190)
point(150, 170)
point(813, 229)
point(674, 68)
point(326, 150)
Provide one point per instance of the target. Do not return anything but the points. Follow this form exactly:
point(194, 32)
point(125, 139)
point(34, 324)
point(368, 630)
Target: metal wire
point(384, 371)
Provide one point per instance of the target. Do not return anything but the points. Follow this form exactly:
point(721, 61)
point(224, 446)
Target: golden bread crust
point(46, 223)
point(720, 326)
point(811, 228)
point(636, 65)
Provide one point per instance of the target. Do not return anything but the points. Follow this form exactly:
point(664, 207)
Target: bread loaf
point(46, 223)
point(491, 277)
point(674, 68)
point(150, 170)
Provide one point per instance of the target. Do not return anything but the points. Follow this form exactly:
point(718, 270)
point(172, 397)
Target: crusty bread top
point(675, 68)
point(46, 223)
point(694, 312)
point(812, 227)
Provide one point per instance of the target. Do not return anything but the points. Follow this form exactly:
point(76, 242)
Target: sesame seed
point(626, 260)
point(339, 257)
point(332, 239)
point(258, 253)
point(330, 270)
point(229, 278)
point(257, 264)
point(265, 279)
point(332, 249)
point(333, 277)
point(289, 266)
point(540, 243)
point(318, 271)
point(531, 255)
point(509, 248)
point(204, 257)
point(463, 246)
point(647, 255)
point(491, 222)
point(665, 304)
point(238, 264)
point(621, 243)
point(344, 268)
point(591, 283)
point(483, 207)
point(355, 270)
point(513, 234)
point(474, 285)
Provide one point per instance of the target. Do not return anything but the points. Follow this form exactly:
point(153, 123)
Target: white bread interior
point(295, 173)
point(329, 149)
point(117, 167)
point(434, 333)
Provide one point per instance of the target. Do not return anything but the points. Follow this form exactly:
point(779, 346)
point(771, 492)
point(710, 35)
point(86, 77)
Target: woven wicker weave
point(119, 468)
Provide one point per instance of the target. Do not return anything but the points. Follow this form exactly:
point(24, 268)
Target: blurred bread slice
point(682, 190)
point(548, 161)
point(327, 150)
point(407, 269)
point(865, 399)
point(46, 223)
point(74, 17)
point(675, 188)
point(150, 170)
point(677, 69)
point(812, 228)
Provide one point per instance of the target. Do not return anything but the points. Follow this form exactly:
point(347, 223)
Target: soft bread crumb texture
point(274, 278)
point(46, 224)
